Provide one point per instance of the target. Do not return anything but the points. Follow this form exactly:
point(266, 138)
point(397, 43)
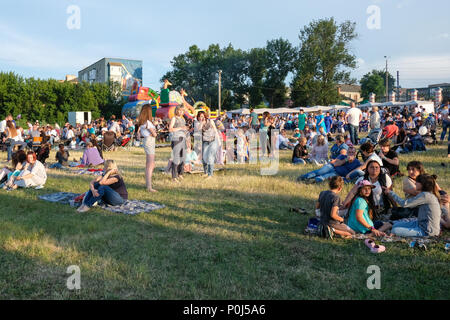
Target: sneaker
point(39, 187)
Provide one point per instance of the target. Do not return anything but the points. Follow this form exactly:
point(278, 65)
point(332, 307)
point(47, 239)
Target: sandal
point(370, 243)
point(378, 249)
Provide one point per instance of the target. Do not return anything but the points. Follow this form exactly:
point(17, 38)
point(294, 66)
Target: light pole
point(387, 93)
point(220, 90)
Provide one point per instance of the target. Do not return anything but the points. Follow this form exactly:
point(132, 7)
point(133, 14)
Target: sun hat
point(364, 183)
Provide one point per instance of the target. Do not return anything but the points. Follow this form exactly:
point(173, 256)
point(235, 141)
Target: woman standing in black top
point(110, 188)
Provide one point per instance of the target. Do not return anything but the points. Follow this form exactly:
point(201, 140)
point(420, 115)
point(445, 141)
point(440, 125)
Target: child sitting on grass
point(428, 221)
point(62, 156)
point(329, 203)
point(191, 157)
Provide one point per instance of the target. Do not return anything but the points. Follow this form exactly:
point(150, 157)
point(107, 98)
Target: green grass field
point(231, 237)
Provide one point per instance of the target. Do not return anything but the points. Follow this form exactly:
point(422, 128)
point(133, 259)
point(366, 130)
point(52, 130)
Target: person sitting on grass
point(73, 143)
point(283, 142)
point(62, 156)
point(110, 188)
point(340, 147)
point(94, 142)
point(415, 169)
point(416, 142)
point(91, 156)
point(300, 154)
point(191, 157)
point(428, 221)
point(368, 152)
point(389, 158)
point(297, 134)
point(329, 203)
point(43, 152)
point(8, 175)
point(32, 175)
point(361, 212)
point(319, 151)
point(378, 179)
point(341, 166)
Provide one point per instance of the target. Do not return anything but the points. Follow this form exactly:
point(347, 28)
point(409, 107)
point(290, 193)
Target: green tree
point(391, 80)
point(323, 58)
point(197, 72)
point(372, 82)
point(257, 62)
point(280, 56)
point(51, 100)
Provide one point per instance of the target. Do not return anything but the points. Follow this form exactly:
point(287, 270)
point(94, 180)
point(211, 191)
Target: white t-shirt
point(2, 126)
point(282, 139)
point(70, 134)
point(115, 127)
point(353, 116)
point(378, 191)
point(145, 129)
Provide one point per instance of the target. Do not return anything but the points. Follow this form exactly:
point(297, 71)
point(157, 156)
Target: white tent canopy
point(261, 111)
point(427, 105)
point(370, 105)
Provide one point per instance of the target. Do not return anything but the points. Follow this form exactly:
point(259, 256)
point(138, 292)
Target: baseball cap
point(364, 183)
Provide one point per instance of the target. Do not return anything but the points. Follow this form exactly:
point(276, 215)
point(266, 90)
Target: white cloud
point(443, 36)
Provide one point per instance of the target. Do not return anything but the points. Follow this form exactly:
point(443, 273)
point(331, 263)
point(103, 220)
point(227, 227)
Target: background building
point(123, 71)
point(349, 93)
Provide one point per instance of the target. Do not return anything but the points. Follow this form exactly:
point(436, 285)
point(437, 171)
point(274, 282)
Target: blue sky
point(35, 41)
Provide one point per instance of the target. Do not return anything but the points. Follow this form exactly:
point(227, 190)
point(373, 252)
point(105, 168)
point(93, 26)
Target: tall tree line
point(50, 100)
point(316, 65)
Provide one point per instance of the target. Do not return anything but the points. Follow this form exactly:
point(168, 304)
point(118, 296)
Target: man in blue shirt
point(341, 166)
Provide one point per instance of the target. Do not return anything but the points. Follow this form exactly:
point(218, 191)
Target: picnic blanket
point(312, 230)
point(83, 170)
point(195, 170)
point(130, 207)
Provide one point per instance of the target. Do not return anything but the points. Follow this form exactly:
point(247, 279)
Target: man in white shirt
point(352, 118)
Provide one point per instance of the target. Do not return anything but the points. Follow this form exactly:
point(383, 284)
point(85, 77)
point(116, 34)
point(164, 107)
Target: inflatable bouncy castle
point(163, 104)
point(138, 97)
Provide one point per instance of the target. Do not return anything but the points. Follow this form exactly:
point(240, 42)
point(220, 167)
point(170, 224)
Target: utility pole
point(387, 93)
point(398, 85)
point(220, 90)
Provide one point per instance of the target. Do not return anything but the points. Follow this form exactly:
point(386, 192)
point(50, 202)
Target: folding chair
point(36, 143)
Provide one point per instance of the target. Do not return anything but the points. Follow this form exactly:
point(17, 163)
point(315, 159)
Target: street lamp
point(220, 90)
point(387, 93)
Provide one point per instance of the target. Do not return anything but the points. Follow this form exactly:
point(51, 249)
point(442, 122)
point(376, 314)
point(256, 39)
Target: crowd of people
point(205, 142)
